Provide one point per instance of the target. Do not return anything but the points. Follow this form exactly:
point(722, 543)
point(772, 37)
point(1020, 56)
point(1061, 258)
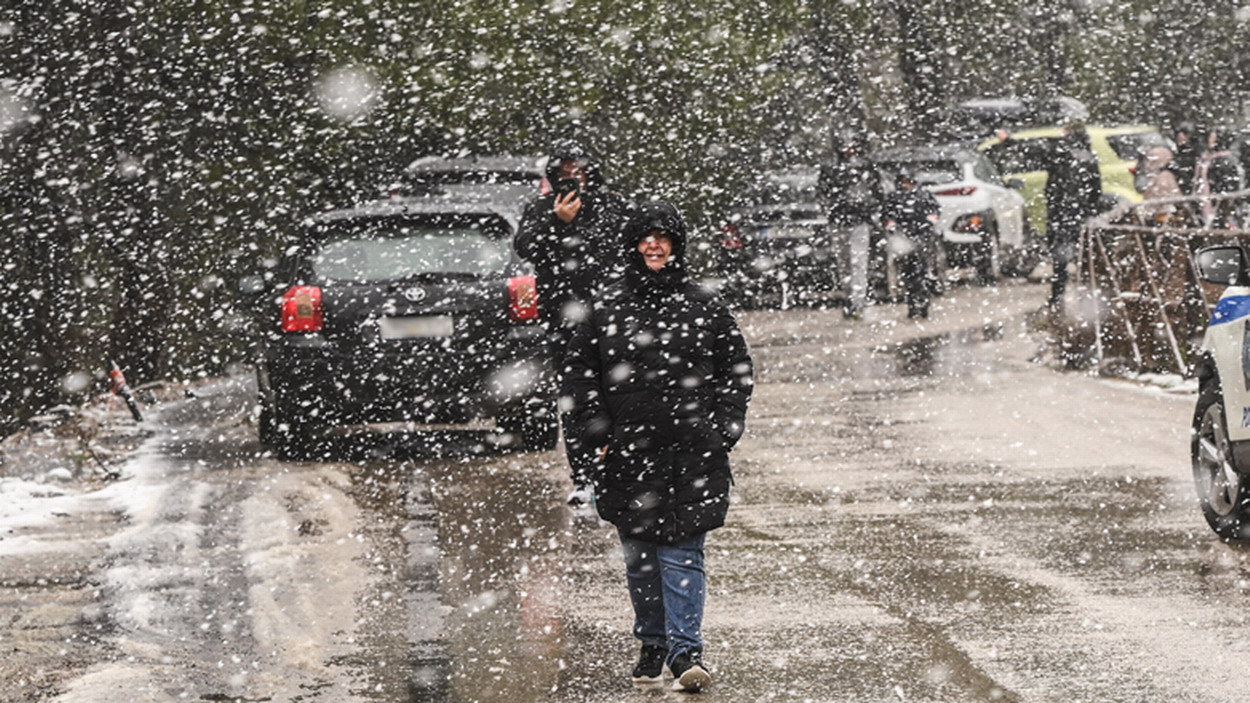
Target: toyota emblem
point(415, 295)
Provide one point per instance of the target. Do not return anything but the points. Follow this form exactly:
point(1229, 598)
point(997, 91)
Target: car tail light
point(965, 190)
point(522, 299)
point(1133, 169)
point(969, 223)
point(729, 237)
point(301, 309)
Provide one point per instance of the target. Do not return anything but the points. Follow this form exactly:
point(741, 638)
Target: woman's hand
point(567, 206)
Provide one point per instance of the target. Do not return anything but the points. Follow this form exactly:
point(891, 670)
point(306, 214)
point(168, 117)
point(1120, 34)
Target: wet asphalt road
point(923, 512)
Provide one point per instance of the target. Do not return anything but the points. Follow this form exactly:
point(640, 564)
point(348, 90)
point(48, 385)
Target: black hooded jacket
point(660, 374)
point(913, 212)
point(1073, 187)
point(572, 260)
point(851, 188)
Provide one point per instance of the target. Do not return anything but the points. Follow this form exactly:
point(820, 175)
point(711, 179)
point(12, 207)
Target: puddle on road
point(402, 655)
point(962, 353)
point(958, 353)
point(500, 524)
point(479, 570)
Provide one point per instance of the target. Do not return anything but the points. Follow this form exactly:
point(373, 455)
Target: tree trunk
point(921, 63)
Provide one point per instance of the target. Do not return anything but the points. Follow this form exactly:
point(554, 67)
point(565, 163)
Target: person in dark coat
point(1073, 195)
point(659, 377)
point(571, 235)
point(1185, 160)
point(1217, 172)
point(911, 212)
point(851, 190)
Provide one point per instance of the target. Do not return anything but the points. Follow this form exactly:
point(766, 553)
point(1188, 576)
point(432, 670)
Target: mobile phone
point(564, 186)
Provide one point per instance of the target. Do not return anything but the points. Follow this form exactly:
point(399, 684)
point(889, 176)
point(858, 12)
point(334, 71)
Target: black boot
point(650, 664)
point(689, 674)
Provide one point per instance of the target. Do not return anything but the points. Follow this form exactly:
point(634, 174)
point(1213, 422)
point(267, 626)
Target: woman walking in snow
point(659, 378)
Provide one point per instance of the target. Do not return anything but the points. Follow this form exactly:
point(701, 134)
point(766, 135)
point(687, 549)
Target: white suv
point(982, 216)
point(1220, 444)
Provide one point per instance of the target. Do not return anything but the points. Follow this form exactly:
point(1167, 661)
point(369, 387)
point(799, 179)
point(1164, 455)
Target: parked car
point(1220, 441)
point(1116, 148)
point(410, 310)
point(780, 250)
point(979, 117)
point(982, 216)
point(496, 178)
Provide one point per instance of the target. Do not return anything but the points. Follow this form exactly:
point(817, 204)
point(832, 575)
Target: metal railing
point(1140, 292)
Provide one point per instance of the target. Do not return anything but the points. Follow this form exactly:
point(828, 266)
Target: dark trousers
point(1062, 250)
point(581, 459)
point(913, 273)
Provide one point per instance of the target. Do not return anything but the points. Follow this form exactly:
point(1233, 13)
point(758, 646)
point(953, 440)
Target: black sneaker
point(688, 672)
point(650, 664)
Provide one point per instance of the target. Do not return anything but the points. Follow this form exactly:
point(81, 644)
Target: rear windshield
point(926, 173)
point(391, 248)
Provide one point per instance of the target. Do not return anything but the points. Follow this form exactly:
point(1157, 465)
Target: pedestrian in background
point(1185, 160)
point(1073, 195)
point(911, 212)
point(659, 378)
point(1156, 181)
point(851, 189)
point(1217, 172)
point(571, 235)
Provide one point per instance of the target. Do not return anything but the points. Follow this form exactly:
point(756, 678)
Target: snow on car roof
point(435, 204)
point(521, 165)
point(923, 153)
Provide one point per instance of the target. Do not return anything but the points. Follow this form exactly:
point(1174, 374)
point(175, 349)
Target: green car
point(1116, 148)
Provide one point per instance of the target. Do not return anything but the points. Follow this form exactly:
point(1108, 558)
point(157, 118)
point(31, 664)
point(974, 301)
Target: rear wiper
point(434, 276)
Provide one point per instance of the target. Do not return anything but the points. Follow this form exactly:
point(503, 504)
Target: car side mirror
point(1015, 184)
point(1225, 266)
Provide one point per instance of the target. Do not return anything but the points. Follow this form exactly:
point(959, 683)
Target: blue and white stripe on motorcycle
point(1229, 309)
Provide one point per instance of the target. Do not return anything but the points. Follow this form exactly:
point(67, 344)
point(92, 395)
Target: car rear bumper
point(419, 385)
point(797, 257)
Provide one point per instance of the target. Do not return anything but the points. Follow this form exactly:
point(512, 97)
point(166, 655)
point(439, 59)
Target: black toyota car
point(779, 248)
point(412, 310)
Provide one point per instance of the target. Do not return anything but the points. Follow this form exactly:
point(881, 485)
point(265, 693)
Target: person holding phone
point(571, 235)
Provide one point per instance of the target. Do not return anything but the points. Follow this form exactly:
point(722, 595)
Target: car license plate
point(792, 232)
point(416, 327)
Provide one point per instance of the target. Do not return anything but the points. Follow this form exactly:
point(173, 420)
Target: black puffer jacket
point(572, 260)
point(852, 190)
point(660, 374)
point(913, 213)
point(1073, 187)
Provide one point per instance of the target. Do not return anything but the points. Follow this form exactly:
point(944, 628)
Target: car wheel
point(989, 264)
point(1222, 491)
point(292, 434)
point(265, 425)
point(295, 440)
point(535, 425)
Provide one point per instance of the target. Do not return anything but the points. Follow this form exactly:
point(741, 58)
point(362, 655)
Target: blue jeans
point(668, 588)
